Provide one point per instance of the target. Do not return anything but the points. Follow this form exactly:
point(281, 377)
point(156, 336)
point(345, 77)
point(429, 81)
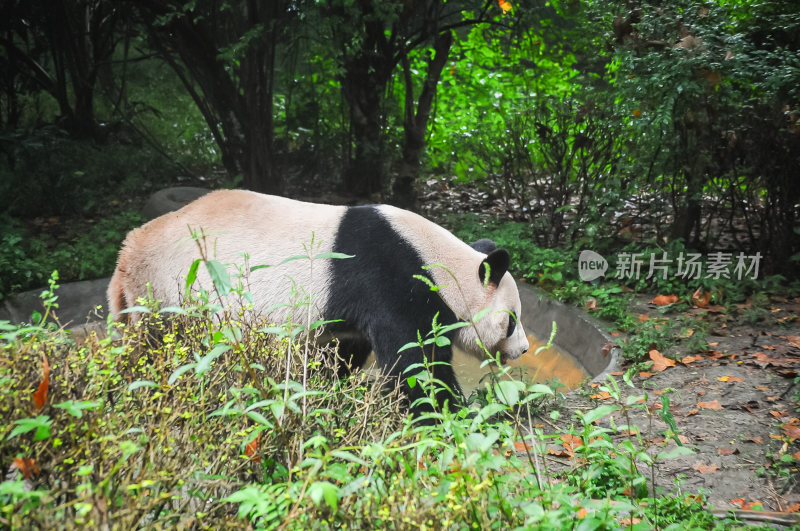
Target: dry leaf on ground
point(659, 361)
point(664, 300)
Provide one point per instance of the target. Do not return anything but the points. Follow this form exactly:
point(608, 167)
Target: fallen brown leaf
point(756, 439)
point(522, 446)
point(747, 506)
point(693, 412)
point(602, 395)
point(664, 300)
point(645, 375)
point(660, 363)
point(251, 447)
point(792, 431)
point(730, 378)
point(701, 299)
point(714, 404)
point(794, 340)
point(728, 451)
point(40, 395)
point(686, 360)
point(779, 414)
point(27, 466)
point(705, 469)
point(762, 360)
point(559, 452)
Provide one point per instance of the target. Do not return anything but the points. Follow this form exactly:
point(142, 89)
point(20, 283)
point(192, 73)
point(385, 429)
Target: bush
point(26, 261)
point(194, 414)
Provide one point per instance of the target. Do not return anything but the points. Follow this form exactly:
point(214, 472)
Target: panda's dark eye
point(512, 324)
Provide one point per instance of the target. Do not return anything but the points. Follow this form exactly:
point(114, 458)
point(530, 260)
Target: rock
point(76, 301)
point(170, 199)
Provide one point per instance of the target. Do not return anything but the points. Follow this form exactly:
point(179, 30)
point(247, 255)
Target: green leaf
point(597, 413)
point(293, 258)
point(76, 408)
point(137, 309)
point(191, 276)
point(335, 256)
point(323, 322)
point(507, 391)
point(320, 490)
point(173, 309)
point(275, 330)
point(348, 456)
point(179, 372)
point(540, 388)
point(41, 424)
point(667, 417)
point(407, 346)
point(141, 383)
point(428, 282)
point(259, 418)
point(204, 363)
point(219, 275)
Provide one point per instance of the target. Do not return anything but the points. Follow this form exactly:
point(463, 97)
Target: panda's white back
point(268, 228)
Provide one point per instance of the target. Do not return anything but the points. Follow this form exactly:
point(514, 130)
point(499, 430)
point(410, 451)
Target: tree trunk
point(364, 85)
point(415, 123)
point(236, 100)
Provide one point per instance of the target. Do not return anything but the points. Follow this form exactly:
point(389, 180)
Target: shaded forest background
point(595, 124)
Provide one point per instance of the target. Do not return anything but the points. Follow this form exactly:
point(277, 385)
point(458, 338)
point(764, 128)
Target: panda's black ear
point(484, 245)
point(498, 262)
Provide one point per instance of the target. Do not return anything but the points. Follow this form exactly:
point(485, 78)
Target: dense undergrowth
point(199, 417)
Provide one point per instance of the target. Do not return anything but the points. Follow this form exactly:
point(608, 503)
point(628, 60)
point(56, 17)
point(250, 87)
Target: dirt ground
point(735, 405)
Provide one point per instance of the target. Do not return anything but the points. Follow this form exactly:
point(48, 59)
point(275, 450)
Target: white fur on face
point(491, 330)
point(465, 294)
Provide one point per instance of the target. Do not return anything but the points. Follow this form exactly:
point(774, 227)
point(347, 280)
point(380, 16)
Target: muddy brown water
point(542, 367)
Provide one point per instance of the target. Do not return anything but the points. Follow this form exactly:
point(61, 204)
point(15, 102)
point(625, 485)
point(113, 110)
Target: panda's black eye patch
point(512, 324)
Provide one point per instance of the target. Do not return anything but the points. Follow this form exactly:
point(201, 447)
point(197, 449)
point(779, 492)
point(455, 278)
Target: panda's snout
point(517, 348)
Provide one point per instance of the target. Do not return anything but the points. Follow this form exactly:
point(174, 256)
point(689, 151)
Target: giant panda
point(375, 294)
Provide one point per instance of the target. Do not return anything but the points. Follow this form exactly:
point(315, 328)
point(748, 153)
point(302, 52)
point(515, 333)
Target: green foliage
point(26, 261)
point(256, 423)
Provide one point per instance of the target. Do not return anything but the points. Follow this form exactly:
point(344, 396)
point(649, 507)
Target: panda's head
point(499, 329)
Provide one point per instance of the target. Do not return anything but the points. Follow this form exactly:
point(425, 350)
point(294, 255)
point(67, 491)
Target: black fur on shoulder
point(377, 296)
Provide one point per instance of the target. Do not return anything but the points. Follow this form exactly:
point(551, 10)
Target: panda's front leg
point(437, 387)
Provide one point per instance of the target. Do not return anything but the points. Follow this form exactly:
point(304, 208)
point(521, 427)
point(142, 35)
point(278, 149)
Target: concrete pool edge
point(577, 333)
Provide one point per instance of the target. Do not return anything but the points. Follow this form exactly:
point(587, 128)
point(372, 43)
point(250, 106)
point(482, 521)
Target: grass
point(195, 416)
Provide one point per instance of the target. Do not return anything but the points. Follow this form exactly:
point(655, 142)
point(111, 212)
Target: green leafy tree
point(225, 56)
